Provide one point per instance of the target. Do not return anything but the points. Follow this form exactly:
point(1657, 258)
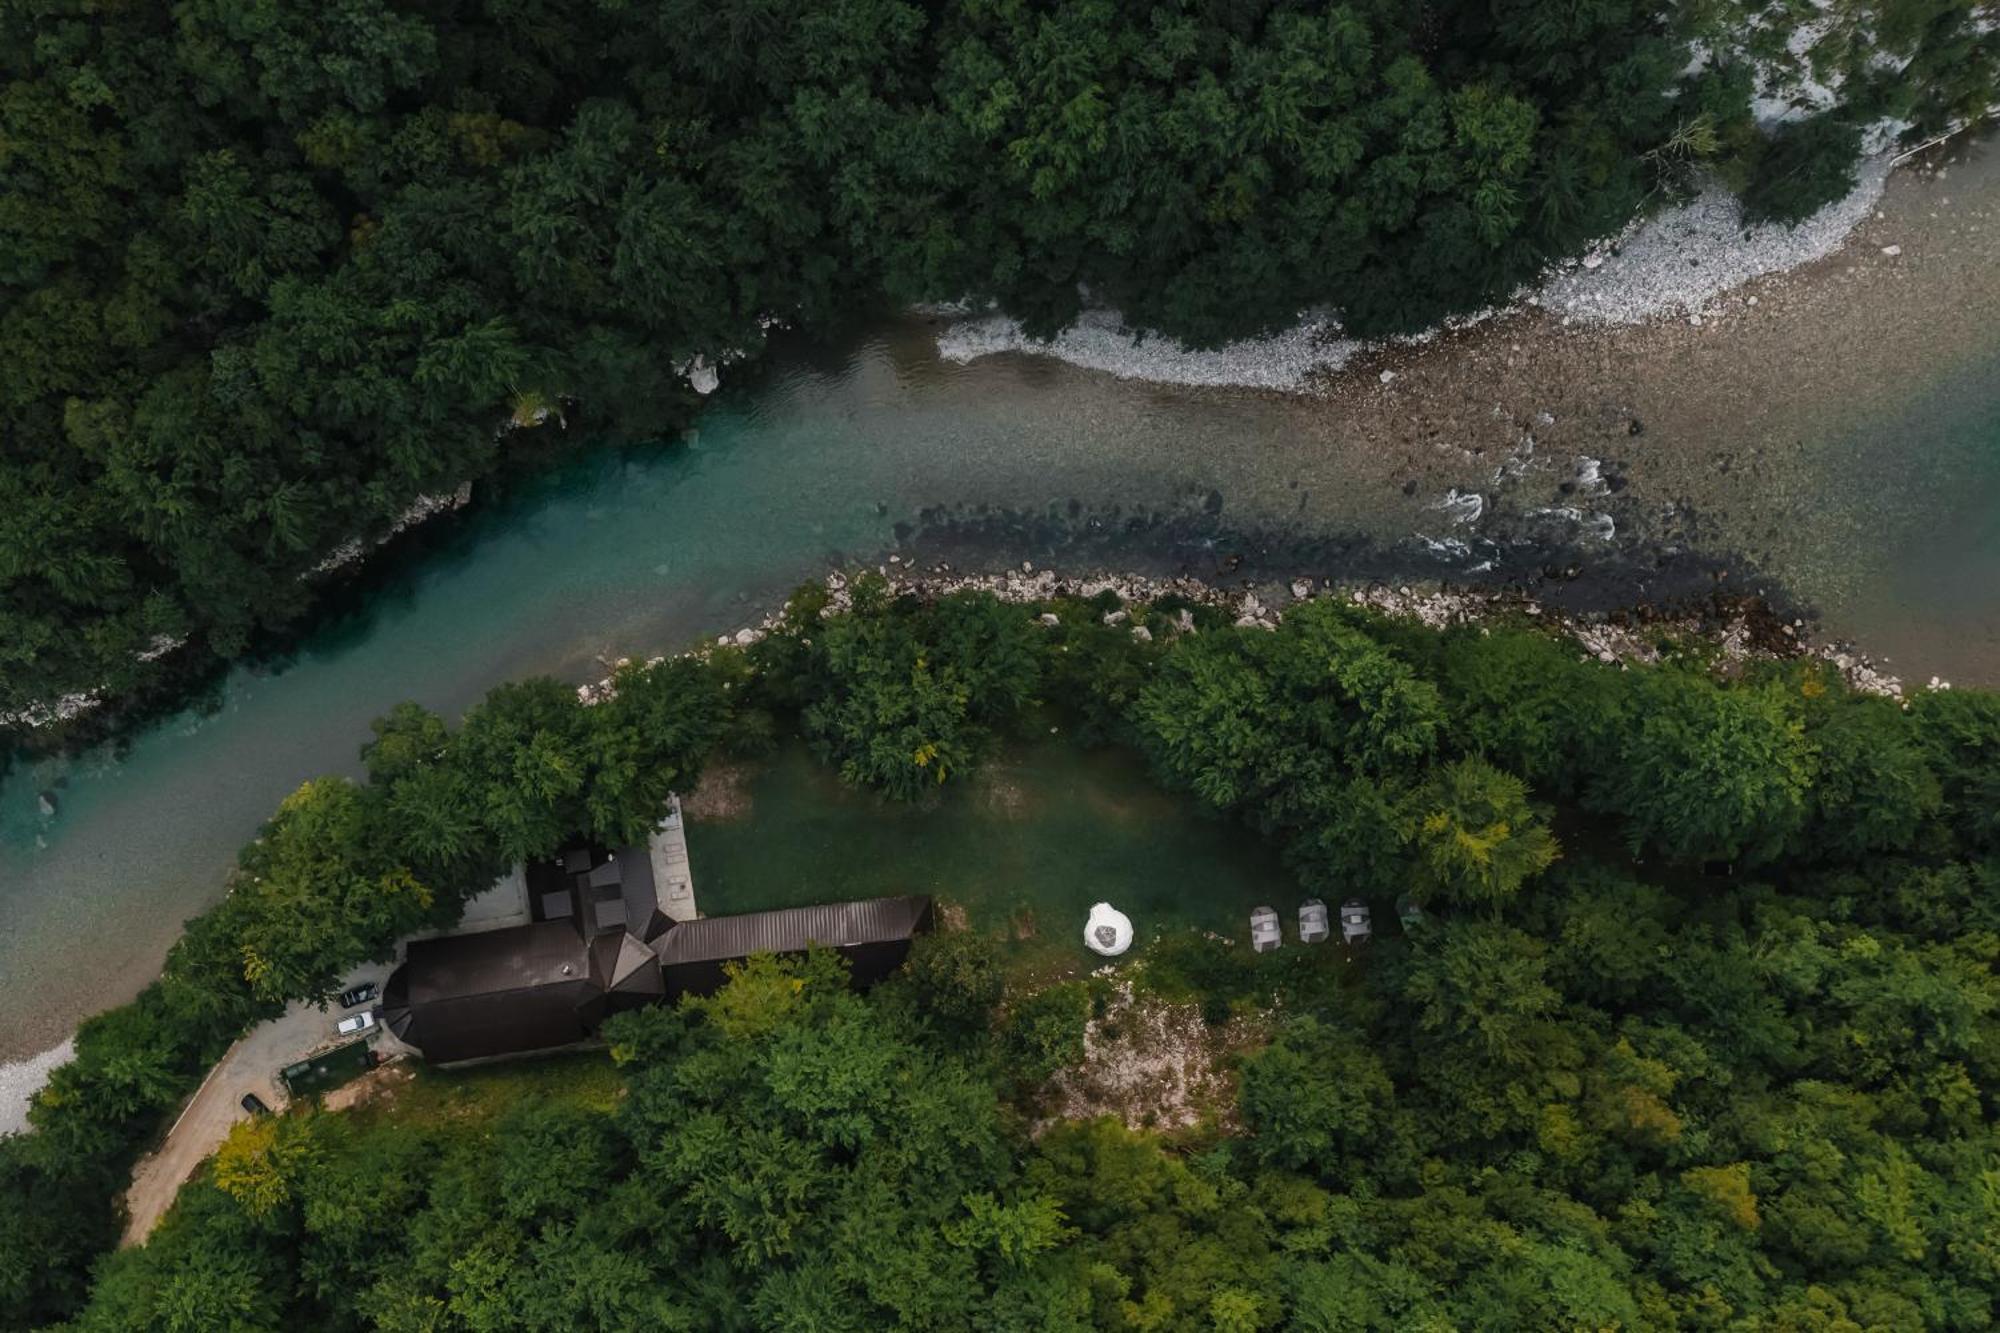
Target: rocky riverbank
point(422, 509)
point(22, 1079)
point(1689, 329)
point(1668, 395)
point(1735, 630)
point(54, 714)
point(1677, 263)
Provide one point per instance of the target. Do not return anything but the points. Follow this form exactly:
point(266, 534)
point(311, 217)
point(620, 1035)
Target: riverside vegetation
point(270, 273)
point(1602, 1086)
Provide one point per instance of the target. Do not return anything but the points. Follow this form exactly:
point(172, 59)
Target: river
point(1882, 512)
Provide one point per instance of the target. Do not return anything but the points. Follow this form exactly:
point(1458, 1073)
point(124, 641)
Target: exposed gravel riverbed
point(1675, 262)
point(1759, 412)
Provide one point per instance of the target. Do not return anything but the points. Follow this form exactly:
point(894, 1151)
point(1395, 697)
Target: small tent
point(1108, 931)
point(1354, 927)
point(1313, 922)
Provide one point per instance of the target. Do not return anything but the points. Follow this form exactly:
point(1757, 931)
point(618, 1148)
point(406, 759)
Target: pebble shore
point(1673, 264)
point(21, 1080)
point(1748, 633)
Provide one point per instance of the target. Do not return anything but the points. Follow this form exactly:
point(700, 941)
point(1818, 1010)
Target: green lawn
point(1025, 847)
point(580, 1078)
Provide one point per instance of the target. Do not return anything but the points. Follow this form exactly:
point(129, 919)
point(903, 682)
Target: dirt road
point(251, 1065)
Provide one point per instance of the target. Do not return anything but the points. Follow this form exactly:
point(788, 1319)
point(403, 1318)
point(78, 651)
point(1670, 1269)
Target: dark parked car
point(255, 1104)
point(361, 994)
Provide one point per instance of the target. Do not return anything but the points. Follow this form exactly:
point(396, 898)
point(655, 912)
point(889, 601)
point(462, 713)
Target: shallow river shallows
point(880, 446)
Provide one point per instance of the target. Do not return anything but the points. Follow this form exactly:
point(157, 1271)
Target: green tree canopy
point(1477, 838)
point(1710, 772)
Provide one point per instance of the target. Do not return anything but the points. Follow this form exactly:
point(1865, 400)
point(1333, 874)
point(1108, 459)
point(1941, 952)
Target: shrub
point(1044, 1032)
point(1803, 167)
point(954, 980)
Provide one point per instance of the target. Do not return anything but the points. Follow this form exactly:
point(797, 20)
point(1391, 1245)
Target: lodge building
point(601, 937)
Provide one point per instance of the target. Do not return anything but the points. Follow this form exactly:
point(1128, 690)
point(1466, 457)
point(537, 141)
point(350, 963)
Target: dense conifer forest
point(1602, 1085)
point(270, 272)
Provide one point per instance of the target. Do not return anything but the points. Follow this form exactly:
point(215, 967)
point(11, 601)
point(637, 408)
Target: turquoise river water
point(646, 550)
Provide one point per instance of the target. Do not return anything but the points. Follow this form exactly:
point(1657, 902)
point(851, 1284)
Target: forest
point(1698, 1030)
point(272, 272)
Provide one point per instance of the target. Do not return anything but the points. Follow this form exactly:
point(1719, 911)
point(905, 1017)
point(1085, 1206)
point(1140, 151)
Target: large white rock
point(1108, 931)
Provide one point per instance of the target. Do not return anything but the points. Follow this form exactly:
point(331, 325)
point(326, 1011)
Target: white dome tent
point(1108, 931)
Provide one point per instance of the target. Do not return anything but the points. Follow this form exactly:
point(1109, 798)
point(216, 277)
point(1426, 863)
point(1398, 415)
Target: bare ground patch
point(1022, 924)
point(1003, 794)
point(384, 1080)
point(724, 793)
point(1153, 1064)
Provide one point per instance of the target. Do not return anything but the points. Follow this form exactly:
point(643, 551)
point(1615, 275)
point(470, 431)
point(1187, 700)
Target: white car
point(356, 1023)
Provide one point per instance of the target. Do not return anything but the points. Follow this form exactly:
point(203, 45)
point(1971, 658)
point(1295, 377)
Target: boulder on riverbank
point(702, 377)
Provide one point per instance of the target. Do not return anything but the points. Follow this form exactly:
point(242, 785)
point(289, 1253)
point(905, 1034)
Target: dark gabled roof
point(472, 1027)
point(462, 997)
point(642, 897)
point(603, 959)
point(543, 953)
point(615, 960)
point(794, 929)
point(524, 988)
point(639, 971)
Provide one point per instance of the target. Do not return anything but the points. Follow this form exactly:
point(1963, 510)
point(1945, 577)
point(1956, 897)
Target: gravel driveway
point(251, 1065)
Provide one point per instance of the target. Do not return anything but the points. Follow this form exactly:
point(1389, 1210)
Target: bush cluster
point(1599, 1086)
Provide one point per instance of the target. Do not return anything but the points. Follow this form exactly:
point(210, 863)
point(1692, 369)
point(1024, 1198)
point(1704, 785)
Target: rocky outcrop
point(422, 508)
point(702, 377)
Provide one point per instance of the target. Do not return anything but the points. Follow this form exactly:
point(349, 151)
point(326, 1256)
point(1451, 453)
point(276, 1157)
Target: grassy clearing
point(585, 1079)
